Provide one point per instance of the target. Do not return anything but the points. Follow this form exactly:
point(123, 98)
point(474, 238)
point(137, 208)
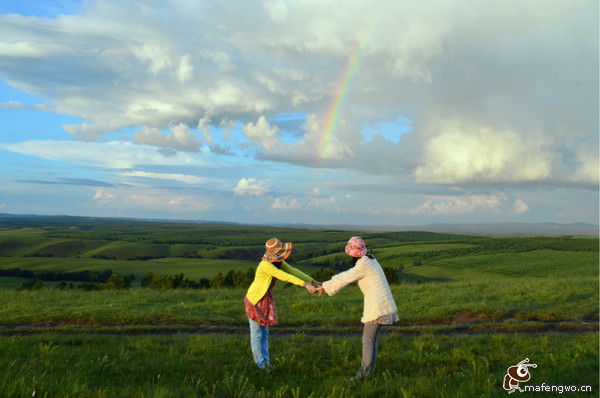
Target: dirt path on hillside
point(445, 328)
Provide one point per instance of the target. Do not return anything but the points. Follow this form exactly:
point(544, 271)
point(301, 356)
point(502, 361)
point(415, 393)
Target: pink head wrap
point(356, 247)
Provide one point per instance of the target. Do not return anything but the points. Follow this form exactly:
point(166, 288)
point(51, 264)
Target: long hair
point(355, 259)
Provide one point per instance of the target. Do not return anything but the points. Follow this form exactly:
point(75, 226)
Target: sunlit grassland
point(192, 268)
point(220, 365)
point(419, 247)
point(536, 263)
point(502, 299)
point(469, 308)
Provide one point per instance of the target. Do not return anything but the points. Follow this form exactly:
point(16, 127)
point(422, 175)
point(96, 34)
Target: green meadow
point(469, 308)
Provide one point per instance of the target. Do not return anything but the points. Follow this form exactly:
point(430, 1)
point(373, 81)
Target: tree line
point(231, 279)
point(44, 275)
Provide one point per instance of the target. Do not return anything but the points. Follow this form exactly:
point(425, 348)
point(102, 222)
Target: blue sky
point(459, 112)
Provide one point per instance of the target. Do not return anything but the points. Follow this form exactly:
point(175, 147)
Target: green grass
point(129, 250)
point(473, 308)
point(508, 266)
point(220, 365)
point(10, 282)
point(557, 263)
point(539, 299)
point(192, 268)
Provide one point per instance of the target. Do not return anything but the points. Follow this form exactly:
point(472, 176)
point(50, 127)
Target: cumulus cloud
point(205, 127)
point(321, 202)
point(461, 205)
point(136, 199)
point(250, 187)
point(285, 204)
point(104, 197)
point(180, 138)
point(520, 207)
point(497, 94)
point(588, 169)
point(464, 153)
point(263, 135)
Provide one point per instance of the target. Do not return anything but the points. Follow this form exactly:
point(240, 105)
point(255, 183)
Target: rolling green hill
point(203, 250)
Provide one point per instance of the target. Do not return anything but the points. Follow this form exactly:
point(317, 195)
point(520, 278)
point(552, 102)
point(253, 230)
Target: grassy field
point(469, 308)
point(211, 365)
point(454, 339)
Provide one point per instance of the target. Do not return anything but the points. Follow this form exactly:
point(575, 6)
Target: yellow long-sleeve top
point(265, 272)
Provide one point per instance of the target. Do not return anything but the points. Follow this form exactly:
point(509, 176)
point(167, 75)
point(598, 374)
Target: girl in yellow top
point(258, 302)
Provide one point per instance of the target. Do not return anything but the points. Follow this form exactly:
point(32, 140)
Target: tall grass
point(221, 366)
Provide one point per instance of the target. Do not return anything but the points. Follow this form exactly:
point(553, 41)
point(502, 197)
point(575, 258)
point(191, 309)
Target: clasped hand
point(312, 289)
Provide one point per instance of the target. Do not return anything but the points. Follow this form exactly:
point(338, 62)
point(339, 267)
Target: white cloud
point(250, 187)
point(520, 207)
point(588, 169)
point(103, 197)
point(185, 178)
point(186, 70)
point(204, 127)
point(138, 199)
point(321, 202)
point(319, 146)
point(285, 204)
point(465, 152)
point(291, 203)
point(461, 205)
point(154, 54)
point(514, 87)
point(112, 155)
point(13, 105)
point(218, 57)
point(263, 135)
point(181, 138)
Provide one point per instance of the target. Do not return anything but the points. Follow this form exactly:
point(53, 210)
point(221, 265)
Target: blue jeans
point(369, 349)
point(259, 341)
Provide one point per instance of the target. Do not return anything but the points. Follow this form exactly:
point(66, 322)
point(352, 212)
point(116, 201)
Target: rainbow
point(337, 103)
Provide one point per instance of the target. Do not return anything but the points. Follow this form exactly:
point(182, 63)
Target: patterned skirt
point(264, 312)
point(389, 319)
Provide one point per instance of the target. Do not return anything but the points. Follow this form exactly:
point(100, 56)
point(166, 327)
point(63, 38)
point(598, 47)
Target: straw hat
point(277, 250)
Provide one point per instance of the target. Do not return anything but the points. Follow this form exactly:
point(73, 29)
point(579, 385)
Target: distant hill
point(515, 229)
point(491, 229)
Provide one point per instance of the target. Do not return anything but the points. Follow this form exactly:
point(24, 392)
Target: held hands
point(309, 287)
point(319, 286)
point(312, 289)
point(320, 289)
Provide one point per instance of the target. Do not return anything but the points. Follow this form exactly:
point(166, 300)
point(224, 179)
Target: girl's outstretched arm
point(343, 279)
